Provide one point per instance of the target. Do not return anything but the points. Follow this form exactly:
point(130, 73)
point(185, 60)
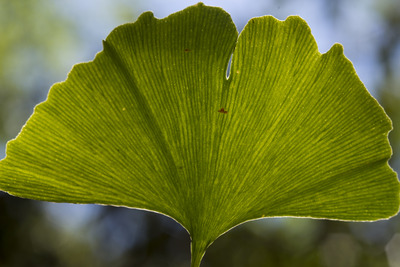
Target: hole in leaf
point(228, 67)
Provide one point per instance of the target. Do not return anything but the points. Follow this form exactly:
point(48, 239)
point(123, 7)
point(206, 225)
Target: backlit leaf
point(154, 123)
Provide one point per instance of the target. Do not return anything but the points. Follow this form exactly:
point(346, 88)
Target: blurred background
point(40, 40)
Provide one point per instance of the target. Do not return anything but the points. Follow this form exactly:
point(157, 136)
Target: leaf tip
point(200, 4)
point(146, 15)
point(337, 48)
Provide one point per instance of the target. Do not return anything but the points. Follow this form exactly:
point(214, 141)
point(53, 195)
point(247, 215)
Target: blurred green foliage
point(32, 36)
point(35, 38)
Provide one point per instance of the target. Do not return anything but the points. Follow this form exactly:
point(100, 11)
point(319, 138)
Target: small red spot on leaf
point(222, 110)
point(187, 50)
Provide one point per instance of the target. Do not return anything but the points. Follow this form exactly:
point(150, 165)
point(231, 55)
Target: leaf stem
point(197, 250)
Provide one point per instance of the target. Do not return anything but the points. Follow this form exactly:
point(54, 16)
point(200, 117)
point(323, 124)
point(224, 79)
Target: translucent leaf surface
point(154, 123)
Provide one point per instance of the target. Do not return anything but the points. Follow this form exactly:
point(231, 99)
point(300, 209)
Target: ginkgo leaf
point(154, 123)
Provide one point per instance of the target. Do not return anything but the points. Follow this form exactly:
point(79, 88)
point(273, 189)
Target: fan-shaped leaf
point(153, 123)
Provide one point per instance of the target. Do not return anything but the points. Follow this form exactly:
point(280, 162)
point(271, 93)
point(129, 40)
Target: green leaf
point(153, 123)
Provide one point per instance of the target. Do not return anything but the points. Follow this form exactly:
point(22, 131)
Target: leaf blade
point(153, 123)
